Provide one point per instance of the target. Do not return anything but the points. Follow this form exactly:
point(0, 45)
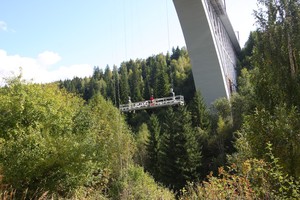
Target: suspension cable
point(168, 29)
point(125, 30)
point(169, 49)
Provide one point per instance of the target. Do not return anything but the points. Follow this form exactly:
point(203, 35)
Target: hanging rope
point(125, 31)
point(169, 49)
point(168, 29)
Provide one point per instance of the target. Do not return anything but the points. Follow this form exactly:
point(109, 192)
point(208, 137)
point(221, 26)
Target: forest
point(68, 139)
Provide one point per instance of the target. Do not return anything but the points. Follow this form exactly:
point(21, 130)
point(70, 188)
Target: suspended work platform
point(155, 103)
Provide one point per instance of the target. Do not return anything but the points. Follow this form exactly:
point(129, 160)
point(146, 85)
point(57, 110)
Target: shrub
point(255, 179)
point(50, 141)
point(137, 184)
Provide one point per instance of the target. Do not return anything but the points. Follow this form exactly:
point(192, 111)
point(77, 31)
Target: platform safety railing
point(148, 104)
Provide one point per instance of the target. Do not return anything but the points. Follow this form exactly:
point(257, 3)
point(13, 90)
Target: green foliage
point(138, 79)
point(220, 140)
point(136, 184)
point(153, 146)
point(283, 186)
point(281, 128)
point(276, 53)
point(180, 66)
point(161, 86)
point(243, 102)
point(267, 107)
point(199, 112)
point(114, 139)
point(38, 144)
point(124, 84)
point(51, 142)
point(136, 82)
point(56, 164)
point(179, 155)
point(225, 186)
point(247, 52)
point(254, 179)
point(26, 106)
point(116, 93)
point(221, 108)
point(142, 139)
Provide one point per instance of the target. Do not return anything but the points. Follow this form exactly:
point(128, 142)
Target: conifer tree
point(199, 112)
point(136, 82)
point(98, 73)
point(146, 75)
point(180, 152)
point(153, 146)
point(116, 86)
point(161, 81)
point(175, 53)
point(124, 85)
point(108, 78)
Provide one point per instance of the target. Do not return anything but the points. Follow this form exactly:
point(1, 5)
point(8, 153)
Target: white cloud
point(48, 58)
point(34, 68)
point(3, 26)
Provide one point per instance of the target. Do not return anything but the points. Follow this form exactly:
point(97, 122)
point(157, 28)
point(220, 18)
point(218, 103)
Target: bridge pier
point(212, 46)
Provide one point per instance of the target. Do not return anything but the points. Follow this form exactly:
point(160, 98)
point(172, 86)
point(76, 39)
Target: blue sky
point(57, 39)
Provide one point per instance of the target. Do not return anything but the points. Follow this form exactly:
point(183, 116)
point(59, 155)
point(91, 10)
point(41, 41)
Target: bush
point(255, 179)
point(137, 184)
point(50, 141)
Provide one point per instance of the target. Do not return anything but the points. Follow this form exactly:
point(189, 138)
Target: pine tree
point(116, 86)
point(124, 85)
point(175, 53)
point(146, 76)
point(142, 139)
point(153, 146)
point(98, 73)
point(161, 81)
point(135, 80)
point(199, 112)
point(108, 78)
point(180, 152)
